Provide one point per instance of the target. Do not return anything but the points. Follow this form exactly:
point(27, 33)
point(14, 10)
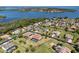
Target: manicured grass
point(44, 49)
point(20, 45)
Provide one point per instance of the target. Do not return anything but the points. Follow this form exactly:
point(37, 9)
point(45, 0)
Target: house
point(8, 46)
point(73, 27)
point(27, 34)
point(36, 24)
point(56, 48)
point(36, 37)
point(61, 49)
point(17, 31)
point(77, 24)
point(46, 20)
point(24, 29)
point(36, 29)
point(53, 24)
point(30, 27)
point(39, 23)
point(6, 36)
point(48, 23)
point(69, 38)
point(55, 34)
point(64, 50)
point(56, 23)
point(63, 24)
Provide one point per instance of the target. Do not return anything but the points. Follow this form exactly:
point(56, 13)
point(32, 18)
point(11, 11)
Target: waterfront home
point(36, 37)
point(27, 34)
point(69, 38)
point(55, 34)
point(6, 36)
point(8, 46)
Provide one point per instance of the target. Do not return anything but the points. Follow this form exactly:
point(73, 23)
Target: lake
point(13, 15)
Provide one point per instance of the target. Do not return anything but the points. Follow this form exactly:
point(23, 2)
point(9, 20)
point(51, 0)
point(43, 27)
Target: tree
point(20, 36)
point(27, 50)
point(21, 41)
point(77, 31)
point(18, 51)
point(72, 51)
point(32, 49)
point(31, 46)
point(0, 39)
point(60, 44)
point(76, 47)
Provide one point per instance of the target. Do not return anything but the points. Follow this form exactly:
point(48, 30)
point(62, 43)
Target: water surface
point(13, 15)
